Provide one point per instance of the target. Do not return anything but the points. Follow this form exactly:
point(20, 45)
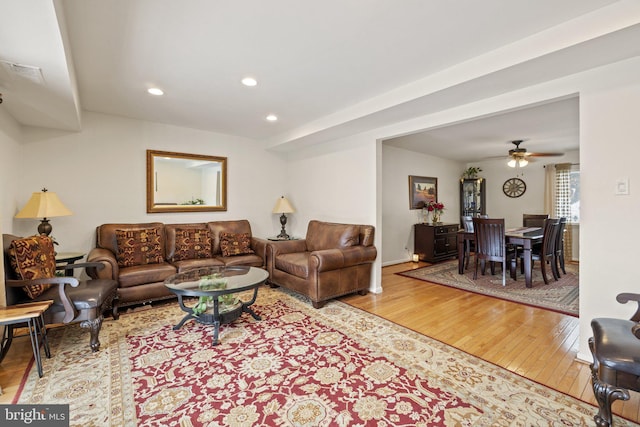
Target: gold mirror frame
point(181, 182)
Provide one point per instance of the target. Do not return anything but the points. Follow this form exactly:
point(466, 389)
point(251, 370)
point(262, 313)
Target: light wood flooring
point(538, 344)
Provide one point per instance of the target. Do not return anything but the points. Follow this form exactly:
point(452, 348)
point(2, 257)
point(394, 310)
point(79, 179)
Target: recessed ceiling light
point(249, 81)
point(155, 91)
point(272, 117)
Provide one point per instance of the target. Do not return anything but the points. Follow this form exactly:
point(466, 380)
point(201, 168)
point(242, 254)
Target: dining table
point(523, 237)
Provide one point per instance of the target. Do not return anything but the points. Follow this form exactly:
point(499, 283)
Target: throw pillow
point(192, 243)
point(33, 258)
point(138, 247)
point(232, 244)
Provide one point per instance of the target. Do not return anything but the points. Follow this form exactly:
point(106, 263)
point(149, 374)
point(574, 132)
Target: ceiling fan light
point(523, 162)
point(512, 163)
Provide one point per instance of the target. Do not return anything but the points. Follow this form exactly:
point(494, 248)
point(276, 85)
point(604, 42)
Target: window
point(567, 203)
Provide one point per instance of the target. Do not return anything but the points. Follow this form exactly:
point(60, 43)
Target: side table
point(67, 258)
point(31, 313)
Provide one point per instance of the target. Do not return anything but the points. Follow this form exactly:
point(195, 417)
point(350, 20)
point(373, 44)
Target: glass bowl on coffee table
point(216, 289)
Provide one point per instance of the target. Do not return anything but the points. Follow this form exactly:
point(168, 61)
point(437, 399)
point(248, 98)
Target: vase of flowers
point(436, 211)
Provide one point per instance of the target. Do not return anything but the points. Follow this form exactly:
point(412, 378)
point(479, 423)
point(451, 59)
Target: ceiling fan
point(520, 156)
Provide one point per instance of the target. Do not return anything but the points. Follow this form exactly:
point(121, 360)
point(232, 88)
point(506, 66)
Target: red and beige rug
point(561, 296)
point(297, 367)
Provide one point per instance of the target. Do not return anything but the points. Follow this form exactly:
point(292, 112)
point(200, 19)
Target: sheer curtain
point(557, 199)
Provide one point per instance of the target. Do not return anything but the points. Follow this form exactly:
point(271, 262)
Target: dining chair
point(559, 248)
point(534, 220)
point(546, 251)
point(467, 223)
point(491, 246)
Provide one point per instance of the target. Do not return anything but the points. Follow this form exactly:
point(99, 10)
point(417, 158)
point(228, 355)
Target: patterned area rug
point(560, 296)
point(297, 367)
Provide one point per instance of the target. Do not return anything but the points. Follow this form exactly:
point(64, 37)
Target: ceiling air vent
point(21, 71)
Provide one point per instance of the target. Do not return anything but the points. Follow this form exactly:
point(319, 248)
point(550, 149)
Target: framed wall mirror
point(180, 182)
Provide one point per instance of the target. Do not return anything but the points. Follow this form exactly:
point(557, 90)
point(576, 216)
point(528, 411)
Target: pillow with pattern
point(192, 243)
point(232, 244)
point(139, 247)
point(33, 258)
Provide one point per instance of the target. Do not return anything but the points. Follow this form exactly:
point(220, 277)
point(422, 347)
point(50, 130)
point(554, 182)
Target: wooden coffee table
point(216, 288)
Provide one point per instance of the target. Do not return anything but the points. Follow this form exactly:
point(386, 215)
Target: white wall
point(610, 135)
point(9, 161)
point(335, 182)
point(100, 175)
point(9, 170)
point(397, 218)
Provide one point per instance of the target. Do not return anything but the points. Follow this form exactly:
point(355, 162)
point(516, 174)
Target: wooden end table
point(30, 313)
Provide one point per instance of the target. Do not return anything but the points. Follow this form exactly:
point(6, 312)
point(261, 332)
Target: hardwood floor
point(538, 344)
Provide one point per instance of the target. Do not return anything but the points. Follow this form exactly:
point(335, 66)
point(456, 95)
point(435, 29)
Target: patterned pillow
point(192, 243)
point(235, 244)
point(33, 258)
point(139, 247)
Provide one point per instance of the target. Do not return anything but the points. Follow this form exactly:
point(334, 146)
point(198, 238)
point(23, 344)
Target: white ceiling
point(326, 68)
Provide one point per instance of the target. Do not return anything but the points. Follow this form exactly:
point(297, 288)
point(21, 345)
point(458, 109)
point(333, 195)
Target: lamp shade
point(44, 204)
point(522, 162)
point(283, 206)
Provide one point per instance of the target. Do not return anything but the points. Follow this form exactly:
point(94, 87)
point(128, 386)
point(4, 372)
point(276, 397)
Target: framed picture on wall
point(422, 190)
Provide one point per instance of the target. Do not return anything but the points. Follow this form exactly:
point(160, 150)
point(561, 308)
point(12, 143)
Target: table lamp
point(45, 205)
point(283, 207)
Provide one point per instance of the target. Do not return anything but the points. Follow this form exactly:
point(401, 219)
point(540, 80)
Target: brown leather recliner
point(333, 260)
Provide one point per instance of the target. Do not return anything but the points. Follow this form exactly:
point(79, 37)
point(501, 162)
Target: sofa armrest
point(334, 259)
point(106, 257)
point(259, 246)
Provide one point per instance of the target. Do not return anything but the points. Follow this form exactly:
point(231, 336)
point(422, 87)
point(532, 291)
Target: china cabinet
point(472, 197)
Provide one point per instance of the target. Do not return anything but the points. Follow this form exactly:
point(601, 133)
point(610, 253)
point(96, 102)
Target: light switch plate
point(622, 186)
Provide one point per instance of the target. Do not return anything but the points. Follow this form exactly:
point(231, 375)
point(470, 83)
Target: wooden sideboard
point(435, 243)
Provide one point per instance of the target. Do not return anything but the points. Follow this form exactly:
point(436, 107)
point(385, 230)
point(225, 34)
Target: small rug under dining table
point(561, 296)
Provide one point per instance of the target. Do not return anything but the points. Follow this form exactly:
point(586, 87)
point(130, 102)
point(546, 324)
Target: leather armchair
point(615, 347)
point(333, 260)
point(74, 301)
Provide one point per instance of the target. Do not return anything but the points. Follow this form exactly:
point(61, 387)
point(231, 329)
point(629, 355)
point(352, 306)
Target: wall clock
point(514, 187)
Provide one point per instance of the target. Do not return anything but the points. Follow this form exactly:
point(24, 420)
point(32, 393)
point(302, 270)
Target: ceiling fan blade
point(543, 154)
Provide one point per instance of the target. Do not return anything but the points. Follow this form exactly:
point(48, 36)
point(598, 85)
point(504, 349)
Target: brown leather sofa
point(331, 261)
point(141, 282)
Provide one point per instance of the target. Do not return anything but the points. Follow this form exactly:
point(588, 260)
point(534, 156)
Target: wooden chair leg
point(605, 395)
point(543, 264)
point(94, 326)
point(7, 339)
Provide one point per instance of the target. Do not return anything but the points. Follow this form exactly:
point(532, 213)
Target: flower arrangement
point(436, 209)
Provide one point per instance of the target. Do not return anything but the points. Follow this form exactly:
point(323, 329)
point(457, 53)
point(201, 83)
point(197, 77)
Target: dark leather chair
point(559, 258)
point(546, 251)
point(534, 220)
point(615, 370)
point(491, 246)
point(74, 301)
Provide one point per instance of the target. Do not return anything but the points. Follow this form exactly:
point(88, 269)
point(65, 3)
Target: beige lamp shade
point(44, 204)
point(283, 206)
